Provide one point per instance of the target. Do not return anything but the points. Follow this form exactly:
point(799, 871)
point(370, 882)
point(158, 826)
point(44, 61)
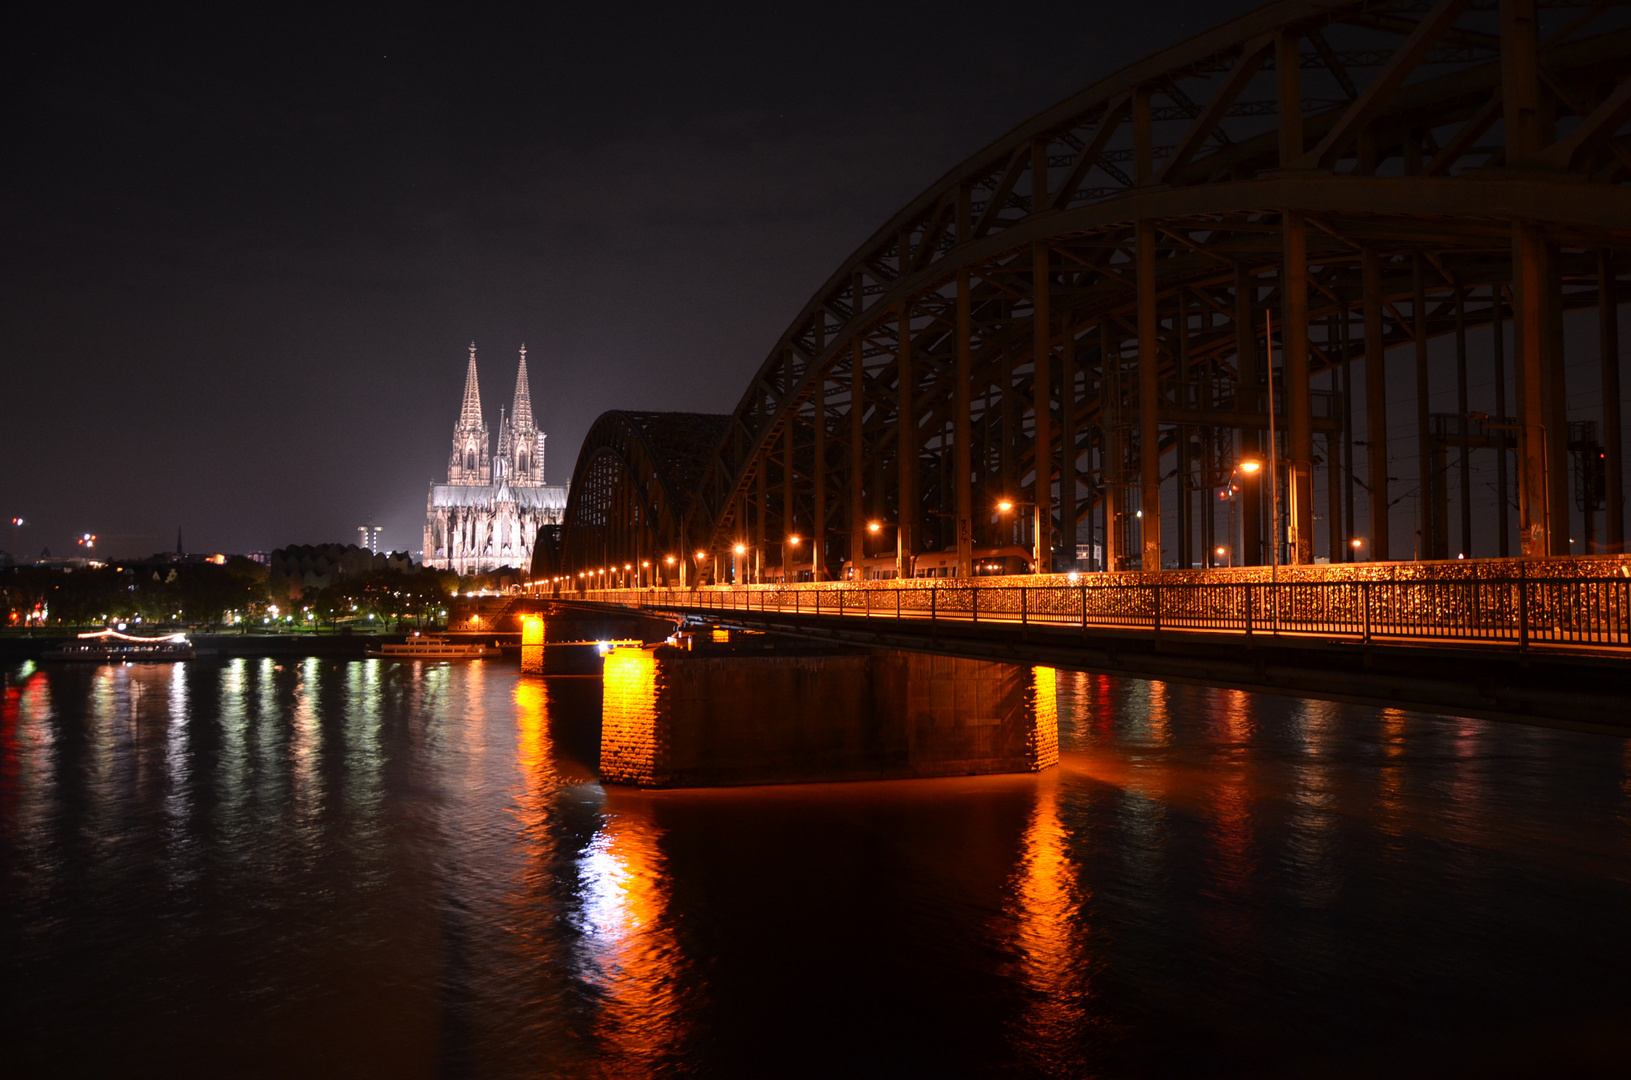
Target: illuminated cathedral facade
point(489, 512)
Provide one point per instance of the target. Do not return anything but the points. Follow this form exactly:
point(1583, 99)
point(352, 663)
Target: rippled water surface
point(320, 868)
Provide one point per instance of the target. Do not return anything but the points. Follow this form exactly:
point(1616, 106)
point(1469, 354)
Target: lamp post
point(1246, 467)
point(1041, 561)
point(876, 528)
point(787, 558)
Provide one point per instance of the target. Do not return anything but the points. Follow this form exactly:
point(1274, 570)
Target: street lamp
point(1041, 561)
point(1243, 468)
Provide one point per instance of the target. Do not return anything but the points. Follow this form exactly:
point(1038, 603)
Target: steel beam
point(962, 423)
point(1042, 397)
point(1608, 351)
point(1149, 402)
point(1294, 354)
point(1375, 404)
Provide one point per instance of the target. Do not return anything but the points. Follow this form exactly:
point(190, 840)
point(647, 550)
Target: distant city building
point(489, 512)
point(368, 536)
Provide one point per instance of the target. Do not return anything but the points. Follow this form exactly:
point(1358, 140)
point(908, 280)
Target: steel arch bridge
point(631, 488)
point(1076, 319)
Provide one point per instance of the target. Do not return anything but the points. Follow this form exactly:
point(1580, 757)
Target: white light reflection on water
point(363, 793)
point(181, 845)
point(1310, 862)
point(305, 754)
point(630, 956)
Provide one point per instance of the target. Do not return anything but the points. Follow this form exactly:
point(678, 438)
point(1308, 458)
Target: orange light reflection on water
point(1045, 908)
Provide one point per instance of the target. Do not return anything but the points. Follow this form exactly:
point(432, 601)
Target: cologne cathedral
point(489, 512)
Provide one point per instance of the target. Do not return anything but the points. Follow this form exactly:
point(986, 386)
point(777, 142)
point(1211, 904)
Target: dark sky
point(245, 248)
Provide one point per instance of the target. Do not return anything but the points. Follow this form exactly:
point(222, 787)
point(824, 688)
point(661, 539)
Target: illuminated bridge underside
point(1074, 318)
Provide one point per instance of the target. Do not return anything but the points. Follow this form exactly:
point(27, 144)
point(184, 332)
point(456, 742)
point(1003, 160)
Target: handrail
point(1521, 610)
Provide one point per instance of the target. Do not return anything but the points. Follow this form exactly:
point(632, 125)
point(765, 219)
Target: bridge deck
point(1590, 615)
point(1550, 650)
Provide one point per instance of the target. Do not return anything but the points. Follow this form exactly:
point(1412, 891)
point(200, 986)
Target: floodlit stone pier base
point(676, 718)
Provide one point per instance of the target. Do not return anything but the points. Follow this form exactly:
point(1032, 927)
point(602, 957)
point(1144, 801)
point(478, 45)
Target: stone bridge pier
point(774, 711)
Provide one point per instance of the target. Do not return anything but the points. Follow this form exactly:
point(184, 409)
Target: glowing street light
point(793, 540)
point(741, 549)
point(873, 526)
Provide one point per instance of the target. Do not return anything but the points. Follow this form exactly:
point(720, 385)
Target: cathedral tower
point(521, 443)
point(470, 462)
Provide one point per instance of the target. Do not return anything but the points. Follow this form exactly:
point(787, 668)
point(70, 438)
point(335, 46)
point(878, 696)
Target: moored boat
point(432, 647)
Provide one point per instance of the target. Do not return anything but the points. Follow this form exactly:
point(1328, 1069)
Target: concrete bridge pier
point(673, 717)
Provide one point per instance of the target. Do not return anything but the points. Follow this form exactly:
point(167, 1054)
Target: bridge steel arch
point(1075, 317)
point(631, 486)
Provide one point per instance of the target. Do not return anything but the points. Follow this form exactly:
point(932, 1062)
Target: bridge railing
point(1522, 611)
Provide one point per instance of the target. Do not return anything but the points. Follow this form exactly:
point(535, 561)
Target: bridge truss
point(1075, 320)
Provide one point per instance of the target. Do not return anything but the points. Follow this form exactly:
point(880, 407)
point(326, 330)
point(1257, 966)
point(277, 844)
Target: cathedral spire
point(471, 415)
point(521, 411)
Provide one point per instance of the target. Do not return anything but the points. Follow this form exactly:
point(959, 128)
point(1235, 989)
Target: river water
point(323, 868)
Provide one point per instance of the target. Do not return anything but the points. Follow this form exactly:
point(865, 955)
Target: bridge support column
point(857, 472)
point(789, 525)
point(962, 422)
point(1149, 398)
point(1248, 397)
point(1042, 398)
point(1300, 433)
point(1608, 326)
point(818, 457)
point(1427, 481)
point(1110, 446)
point(1375, 404)
point(906, 447)
point(1068, 505)
point(1542, 440)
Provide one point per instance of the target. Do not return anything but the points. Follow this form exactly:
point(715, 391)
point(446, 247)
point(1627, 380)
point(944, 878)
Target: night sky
point(245, 249)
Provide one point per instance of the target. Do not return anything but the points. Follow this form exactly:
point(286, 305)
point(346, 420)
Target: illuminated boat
point(103, 646)
point(433, 647)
